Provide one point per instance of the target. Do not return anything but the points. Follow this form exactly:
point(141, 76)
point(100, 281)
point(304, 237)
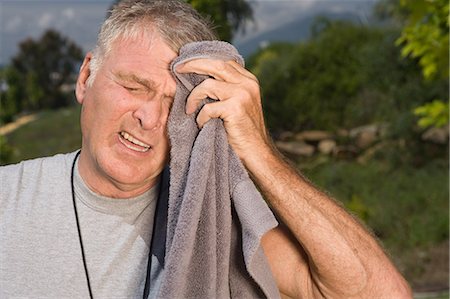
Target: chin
point(126, 173)
point(135, 175)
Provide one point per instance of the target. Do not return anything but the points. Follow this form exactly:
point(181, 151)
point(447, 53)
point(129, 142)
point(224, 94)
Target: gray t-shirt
point(40, 254)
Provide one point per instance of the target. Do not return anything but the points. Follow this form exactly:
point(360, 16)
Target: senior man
point(126, 91)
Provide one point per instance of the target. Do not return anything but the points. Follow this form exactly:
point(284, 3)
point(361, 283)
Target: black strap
point(78, 225)
point(149, 263)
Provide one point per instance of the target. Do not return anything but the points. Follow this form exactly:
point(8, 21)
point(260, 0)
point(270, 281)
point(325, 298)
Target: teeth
point(143, 147)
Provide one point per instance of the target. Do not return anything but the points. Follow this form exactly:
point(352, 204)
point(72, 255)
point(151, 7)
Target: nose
point(150, 114)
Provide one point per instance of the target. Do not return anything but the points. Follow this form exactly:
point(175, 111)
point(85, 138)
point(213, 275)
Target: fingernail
point(189, 111)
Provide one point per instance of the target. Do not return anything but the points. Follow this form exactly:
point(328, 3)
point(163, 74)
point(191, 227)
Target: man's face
point(124, 116)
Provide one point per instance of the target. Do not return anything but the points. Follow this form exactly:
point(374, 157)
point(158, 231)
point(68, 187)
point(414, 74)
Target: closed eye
point(133, 88)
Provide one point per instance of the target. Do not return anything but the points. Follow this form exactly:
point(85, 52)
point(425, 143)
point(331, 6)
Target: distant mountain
point(295, 31)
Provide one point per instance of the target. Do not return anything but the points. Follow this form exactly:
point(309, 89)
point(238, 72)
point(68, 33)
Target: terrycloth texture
point(216, 216)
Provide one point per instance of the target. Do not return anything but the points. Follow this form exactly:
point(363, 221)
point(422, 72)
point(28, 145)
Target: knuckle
point(208, 83)
point(236, 108)
point(248, 93)
point(195, 96)
point(253, 86)
point(207, 109)
point(220, 65)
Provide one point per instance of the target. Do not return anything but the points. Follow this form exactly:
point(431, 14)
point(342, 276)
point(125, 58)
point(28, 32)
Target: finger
point(209, 88)
point(219, 69)
point(211, 110)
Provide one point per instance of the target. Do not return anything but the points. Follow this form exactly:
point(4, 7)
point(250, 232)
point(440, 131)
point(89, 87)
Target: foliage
point(347, 75)
point(228, 16)
point(357, 206)
point(6, 151)
point(425, 37)
point(390, 11)
point(39, 74)
point(433, 114)
point(11, 99)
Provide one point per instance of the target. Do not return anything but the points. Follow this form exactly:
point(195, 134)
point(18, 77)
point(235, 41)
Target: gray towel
point(216, 216)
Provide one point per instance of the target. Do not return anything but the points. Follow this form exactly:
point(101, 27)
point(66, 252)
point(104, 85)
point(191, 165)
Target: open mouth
point(133, 143)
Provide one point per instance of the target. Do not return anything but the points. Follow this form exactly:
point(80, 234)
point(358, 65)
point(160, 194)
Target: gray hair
point(176, 21)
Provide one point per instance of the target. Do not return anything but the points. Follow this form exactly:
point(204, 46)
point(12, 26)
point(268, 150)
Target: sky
point(80, 20)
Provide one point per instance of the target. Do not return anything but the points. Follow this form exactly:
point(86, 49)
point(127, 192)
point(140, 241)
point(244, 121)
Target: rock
point(326, 146)
point(313, 136)
point(365, 136)
point(366, 139)
point(286, 135)
point(295, 148)
point(342, 133)
point(436, 135)
point(354, 133)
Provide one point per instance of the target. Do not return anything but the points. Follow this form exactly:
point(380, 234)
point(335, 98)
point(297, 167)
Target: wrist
point(263, 160)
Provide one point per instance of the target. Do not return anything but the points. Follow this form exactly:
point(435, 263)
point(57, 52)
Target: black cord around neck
point(78, 225)
point(83, 257)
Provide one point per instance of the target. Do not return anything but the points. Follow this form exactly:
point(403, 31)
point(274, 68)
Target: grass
point(443, 295)
point(53, 132)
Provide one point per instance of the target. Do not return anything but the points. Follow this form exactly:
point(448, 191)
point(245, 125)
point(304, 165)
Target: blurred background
point(355, 94)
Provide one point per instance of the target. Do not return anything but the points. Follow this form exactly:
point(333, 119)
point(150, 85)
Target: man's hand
point(239, 103)
point(320, 250)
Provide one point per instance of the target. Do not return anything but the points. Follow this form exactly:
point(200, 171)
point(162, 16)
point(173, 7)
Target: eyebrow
point(149, 84)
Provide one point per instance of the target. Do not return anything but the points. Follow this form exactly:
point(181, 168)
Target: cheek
point(163, 137)
point(99, 118)
point(109, 106)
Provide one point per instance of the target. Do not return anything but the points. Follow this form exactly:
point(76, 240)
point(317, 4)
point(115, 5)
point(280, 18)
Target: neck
point(102, 184)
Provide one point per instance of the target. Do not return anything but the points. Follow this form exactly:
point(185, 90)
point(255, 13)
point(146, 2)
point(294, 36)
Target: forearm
point(344, 259)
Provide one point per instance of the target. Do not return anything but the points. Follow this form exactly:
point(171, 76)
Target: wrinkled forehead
point(143, 43)
point(145, 56)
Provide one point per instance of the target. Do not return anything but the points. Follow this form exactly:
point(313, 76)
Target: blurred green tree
point(39, 74)
point(228, 16)
point(347, 75)
point(11, 96)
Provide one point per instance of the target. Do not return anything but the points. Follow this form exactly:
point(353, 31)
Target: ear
point(85, 72)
